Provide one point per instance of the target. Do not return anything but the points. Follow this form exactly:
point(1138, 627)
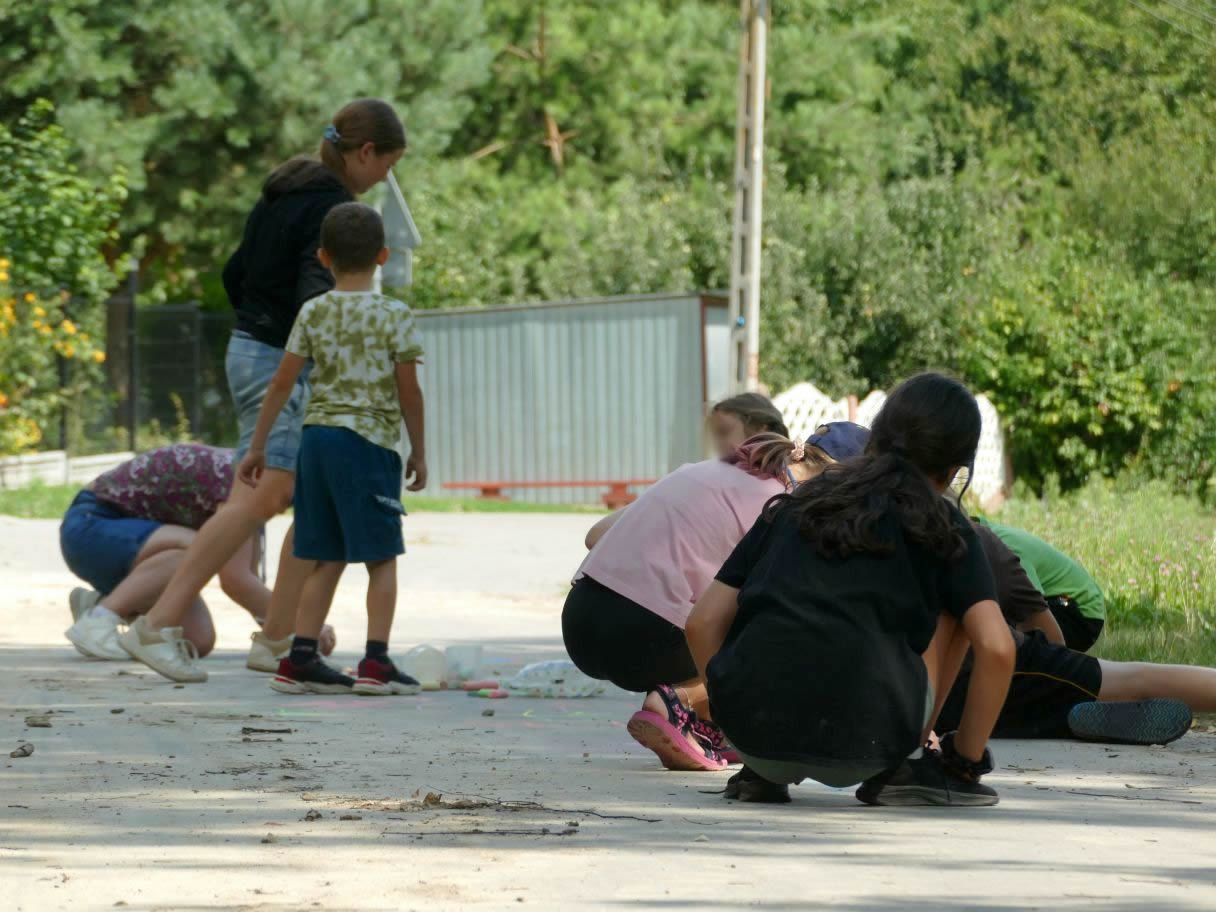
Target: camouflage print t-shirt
point(355, 340)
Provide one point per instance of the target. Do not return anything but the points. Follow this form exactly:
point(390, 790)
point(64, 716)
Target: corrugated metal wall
point(597, 390)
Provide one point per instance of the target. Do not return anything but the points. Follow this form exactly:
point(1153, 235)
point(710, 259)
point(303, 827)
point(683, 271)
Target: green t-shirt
point(355, 340)
point(1051, 571)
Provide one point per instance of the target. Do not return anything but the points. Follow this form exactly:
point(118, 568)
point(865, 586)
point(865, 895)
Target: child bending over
point(365, 354)
point(836, 628)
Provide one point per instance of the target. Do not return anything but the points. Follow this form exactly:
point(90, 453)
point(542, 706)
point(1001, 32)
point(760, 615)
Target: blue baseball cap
point(842, 440)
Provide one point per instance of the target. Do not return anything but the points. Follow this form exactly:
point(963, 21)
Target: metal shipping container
point(605, 389)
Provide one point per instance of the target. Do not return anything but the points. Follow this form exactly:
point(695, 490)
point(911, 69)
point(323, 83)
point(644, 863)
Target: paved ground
point(143, 795)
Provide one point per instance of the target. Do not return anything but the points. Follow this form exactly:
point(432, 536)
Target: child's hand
point(327, 641)
point(415, 467)
point(250, 469)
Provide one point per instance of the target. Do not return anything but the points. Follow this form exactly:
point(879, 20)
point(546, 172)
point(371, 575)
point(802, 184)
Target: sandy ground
point(143, 795)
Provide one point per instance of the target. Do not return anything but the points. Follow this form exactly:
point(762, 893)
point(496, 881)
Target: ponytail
point(769, 455)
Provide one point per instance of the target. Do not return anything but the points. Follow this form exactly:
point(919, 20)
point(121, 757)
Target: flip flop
point(665, 736)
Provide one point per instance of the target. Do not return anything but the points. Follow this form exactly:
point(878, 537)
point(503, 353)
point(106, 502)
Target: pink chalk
point(481, 685)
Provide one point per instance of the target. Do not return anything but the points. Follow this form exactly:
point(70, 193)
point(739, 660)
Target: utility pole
point(749, 187)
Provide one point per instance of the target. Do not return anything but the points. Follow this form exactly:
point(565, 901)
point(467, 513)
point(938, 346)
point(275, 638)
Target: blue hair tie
point(332, 135)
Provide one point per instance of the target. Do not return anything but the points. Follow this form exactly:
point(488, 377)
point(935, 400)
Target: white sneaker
point(165, 651)
point(96, 638)
point(81, 601)
point(264, 653)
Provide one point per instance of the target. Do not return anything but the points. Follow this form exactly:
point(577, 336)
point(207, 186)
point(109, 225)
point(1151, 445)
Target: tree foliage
point(1021, 191)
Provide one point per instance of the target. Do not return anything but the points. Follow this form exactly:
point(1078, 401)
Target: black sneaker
point(1134, 722)
point(924, 781)
point(748, 785)
point(314, 676)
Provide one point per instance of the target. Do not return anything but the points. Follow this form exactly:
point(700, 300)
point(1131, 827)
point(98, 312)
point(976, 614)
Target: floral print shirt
point(182, 484)
point(355, 339)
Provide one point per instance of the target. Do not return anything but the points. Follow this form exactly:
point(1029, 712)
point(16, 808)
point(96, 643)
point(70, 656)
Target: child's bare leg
point(219, 538)
point(381, 598)
point(1193, 685)
point(198, 628)
point(288, 590)
point(943, 660)
point(316, 598)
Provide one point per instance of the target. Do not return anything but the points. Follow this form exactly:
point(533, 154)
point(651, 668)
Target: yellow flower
point(3, 401)
point(99, 357)
point(3, 275)
point(30, 297)
point(69, 351)
point(4, 263)
point(44, 329)
point(37, 324)
point(68, 327)
point(39, 311)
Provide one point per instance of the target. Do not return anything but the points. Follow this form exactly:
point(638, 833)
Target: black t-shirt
point(275, 269)
point(823, 662)
point(1018, 597)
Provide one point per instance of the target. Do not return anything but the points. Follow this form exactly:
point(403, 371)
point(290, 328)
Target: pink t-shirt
point(666, 548)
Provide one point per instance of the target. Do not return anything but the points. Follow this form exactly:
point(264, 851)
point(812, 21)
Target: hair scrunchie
point(332, 135)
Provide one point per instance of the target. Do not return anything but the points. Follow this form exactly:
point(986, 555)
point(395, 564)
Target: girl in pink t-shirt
point(624, 618)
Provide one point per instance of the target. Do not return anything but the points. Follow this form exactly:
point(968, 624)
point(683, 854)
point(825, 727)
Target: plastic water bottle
point(427, 664)
point(556, 678)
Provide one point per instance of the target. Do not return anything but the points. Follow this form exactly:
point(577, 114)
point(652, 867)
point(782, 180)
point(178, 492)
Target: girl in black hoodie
point(273, 272)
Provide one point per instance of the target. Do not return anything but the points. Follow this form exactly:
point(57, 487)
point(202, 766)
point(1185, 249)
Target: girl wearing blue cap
point(839, 623)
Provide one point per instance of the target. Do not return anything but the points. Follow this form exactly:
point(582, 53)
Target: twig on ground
point(1133, 797)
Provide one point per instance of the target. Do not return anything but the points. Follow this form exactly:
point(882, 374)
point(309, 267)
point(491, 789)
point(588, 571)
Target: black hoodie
point(275, 269)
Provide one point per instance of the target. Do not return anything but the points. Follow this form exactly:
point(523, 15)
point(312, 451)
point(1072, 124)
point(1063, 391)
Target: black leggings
point(611, 638)
point(1080, 632)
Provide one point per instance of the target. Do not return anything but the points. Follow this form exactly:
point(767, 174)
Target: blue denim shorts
point(100, 542)
point(250, 364)
point(348, 498)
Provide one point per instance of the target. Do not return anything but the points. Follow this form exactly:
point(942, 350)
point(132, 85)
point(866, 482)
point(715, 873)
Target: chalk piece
point(431, 685)
point(481, 685)
point(489, 694)
point(702, 838)
point(23, 750)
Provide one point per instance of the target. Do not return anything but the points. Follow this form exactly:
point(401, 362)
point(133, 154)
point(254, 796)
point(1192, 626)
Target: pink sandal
point(666, 736)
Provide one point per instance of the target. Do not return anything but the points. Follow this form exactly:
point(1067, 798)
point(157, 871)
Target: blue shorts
point(100, 542)
point(250, 364)
point(348, 498)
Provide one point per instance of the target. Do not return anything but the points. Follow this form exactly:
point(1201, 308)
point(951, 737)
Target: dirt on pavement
point(144, 795)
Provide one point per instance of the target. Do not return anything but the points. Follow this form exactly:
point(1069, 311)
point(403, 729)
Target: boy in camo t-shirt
point(365, 351)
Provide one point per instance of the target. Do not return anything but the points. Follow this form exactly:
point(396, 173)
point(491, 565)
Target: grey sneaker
point(81, 602)
point(265, 653)
point(96, 638)
point(165, 651)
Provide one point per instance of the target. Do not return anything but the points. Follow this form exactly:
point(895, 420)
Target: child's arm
point(709, 623)
point(1046, 621)
point(409, 394)
point(277, 394)
point(993, 650)
point(600, 529)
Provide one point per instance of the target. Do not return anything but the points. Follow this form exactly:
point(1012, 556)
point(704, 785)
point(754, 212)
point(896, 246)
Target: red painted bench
point(618, 491)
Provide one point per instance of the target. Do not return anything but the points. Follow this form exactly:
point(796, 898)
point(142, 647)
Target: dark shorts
point(1080, 632)
point(611, 638)
point(347, 498)
point(100, 542)
point(1048, 681)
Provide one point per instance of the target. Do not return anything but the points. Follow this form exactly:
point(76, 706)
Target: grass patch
point(43, 501)
point(37, 501)
point(1153, 553)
